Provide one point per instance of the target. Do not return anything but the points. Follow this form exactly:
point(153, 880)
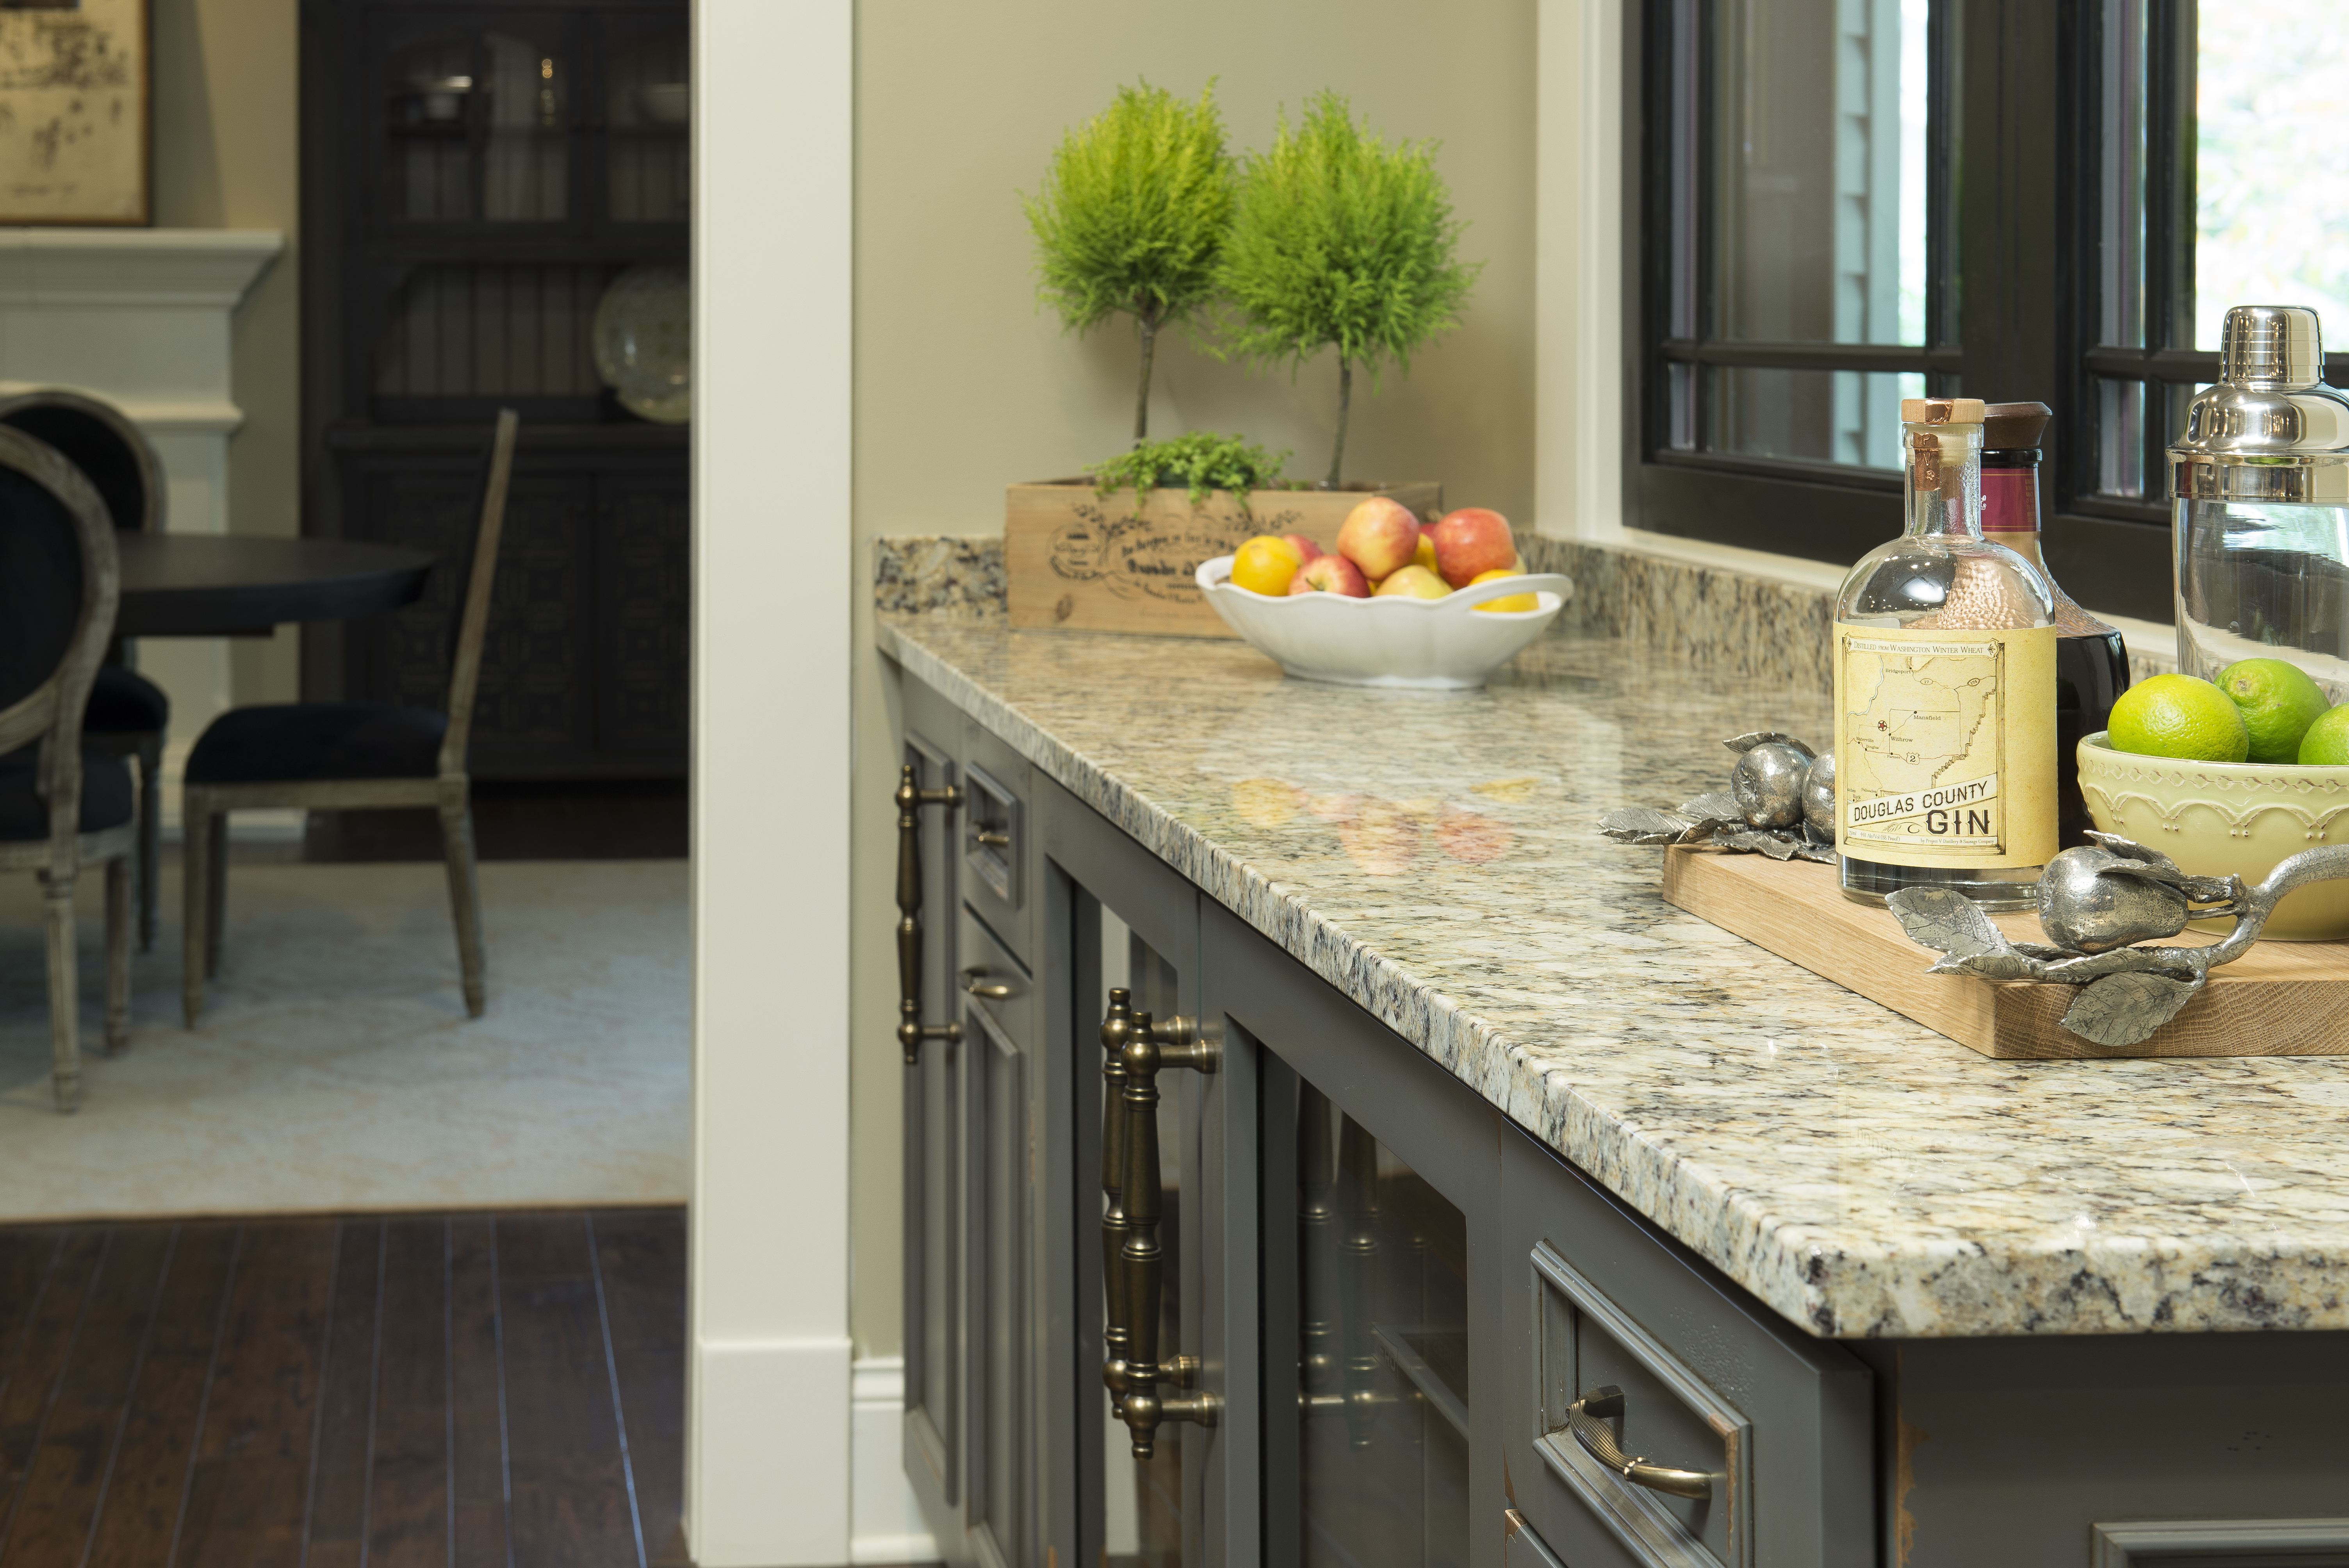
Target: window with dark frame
point(1842, 203)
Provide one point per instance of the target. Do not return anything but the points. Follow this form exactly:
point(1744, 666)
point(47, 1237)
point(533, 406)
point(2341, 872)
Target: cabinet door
point(1132, 1494)
point(1376, 1308)
point(936, 1175)
point(998, 1007)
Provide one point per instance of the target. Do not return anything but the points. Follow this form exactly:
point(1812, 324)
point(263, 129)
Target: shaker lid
point(2014, 427)
point(2268, 430)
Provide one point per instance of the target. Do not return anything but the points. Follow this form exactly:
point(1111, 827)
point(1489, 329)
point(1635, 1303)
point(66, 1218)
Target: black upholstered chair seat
point(124, 702)
point(24, 815)
point(290, 742)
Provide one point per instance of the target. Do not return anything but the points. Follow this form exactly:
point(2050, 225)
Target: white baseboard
point(886, 1524)
point(770, 1480)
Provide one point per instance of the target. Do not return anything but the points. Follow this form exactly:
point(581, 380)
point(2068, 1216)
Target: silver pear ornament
point(2096, 903)
point(1767, 809)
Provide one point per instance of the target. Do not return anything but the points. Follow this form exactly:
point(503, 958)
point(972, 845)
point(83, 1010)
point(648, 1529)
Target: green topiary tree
point(1133, 216)
point(1341, 241)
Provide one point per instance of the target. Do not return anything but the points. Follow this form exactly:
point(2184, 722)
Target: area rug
point(334, 1069)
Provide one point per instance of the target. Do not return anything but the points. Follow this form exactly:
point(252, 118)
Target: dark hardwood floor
point(459, 1389)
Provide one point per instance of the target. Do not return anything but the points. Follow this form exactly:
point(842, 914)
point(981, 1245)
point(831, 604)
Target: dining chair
point(349, 755)
point(63, 805)
point(128, 714)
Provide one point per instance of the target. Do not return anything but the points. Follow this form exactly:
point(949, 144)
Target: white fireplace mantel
point(143, 317)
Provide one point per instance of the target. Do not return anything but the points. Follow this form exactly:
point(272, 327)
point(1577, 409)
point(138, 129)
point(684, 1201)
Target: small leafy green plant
point(1132, 217)
point(1200, 462)
point(1341, 241)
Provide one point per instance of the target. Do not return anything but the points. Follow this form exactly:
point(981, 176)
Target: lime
point(2278, 703)
point(2326, 744)
point(2178, 716)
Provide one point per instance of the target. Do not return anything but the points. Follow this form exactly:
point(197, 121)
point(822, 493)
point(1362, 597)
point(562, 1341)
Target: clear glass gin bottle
point(1945, 689)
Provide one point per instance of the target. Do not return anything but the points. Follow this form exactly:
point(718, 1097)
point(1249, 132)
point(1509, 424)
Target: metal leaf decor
point(2127, 992)
point(2122, 1009)
point(1716, 820)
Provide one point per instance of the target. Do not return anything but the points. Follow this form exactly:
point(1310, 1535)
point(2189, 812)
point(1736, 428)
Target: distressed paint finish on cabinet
point(1396, 1295)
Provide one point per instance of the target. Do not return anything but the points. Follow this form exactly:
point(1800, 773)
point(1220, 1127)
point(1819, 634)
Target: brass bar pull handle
point(993, 839)
point(910, 798)
point(1117, 1028)
point(1588, 1418)
point(1176, 1043)
point(974, 981)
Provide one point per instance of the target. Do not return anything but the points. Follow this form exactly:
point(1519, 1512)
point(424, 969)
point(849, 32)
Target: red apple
point(1379, 536)
point(1306, 549)
point(1329, 575)
point(1471, 540)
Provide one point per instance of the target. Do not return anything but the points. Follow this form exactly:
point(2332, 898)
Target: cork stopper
point(1940, 410)
point(2014, 427)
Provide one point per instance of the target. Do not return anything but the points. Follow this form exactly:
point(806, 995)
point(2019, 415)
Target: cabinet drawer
point(990, 978)
point(994, 843)
point(1672, 1367)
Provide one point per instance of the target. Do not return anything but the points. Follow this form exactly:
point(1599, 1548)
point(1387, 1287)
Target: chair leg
point(151, 837)
point(119, 917)
point(216, 894)
point(195, 901)
point(465, 902)
point(65, 990)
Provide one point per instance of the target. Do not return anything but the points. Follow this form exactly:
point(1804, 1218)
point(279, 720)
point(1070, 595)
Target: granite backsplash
point(1729, 621)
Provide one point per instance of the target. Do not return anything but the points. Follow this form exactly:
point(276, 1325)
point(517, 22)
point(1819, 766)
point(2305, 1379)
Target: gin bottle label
point(1945, 745)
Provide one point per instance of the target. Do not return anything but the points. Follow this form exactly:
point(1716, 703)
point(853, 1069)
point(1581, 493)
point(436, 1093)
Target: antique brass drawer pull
point(1132, 1265)
point(910, 798)
point(1589, 1418)
point(974, 982)
point(993, 839)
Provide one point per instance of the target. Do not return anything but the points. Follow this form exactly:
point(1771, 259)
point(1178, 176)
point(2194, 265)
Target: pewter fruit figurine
point(2093, 902)
point(1765, 810)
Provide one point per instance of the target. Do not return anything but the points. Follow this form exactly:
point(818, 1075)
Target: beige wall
point(227, 157)
point(963, 385)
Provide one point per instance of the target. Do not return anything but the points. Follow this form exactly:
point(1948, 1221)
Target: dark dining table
point(235, 586)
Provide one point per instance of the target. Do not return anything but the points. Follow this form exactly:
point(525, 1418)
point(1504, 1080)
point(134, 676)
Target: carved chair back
point(58, 589)
point(473, 619)
point(99, 440)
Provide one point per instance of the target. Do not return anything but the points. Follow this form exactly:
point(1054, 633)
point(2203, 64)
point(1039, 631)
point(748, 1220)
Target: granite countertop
point(1434, 857)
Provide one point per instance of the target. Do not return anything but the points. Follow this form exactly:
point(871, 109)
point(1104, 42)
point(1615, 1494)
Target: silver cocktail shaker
point(2259, 505)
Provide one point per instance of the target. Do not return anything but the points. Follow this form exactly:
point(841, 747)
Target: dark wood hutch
point(473, 178)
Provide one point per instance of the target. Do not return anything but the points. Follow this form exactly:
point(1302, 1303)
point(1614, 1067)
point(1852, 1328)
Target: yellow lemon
point(1513, 601)
point(2178, 716)
point(1265, 564)
point(1425, 554)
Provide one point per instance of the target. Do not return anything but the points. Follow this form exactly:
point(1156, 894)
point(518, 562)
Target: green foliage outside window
point(1341, 241)
point(1132, 217)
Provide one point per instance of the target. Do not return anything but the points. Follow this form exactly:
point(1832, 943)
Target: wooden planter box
point(1078, 561)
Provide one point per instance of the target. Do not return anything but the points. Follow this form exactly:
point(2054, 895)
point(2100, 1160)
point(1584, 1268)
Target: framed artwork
point(76, 110)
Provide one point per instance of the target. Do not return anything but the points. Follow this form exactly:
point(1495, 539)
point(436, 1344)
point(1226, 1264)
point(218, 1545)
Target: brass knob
point(972, 981)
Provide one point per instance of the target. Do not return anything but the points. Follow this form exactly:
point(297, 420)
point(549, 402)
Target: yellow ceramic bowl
point(2221, 819)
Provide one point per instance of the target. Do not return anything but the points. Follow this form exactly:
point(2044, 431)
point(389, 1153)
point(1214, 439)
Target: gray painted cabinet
point(1415, 1334)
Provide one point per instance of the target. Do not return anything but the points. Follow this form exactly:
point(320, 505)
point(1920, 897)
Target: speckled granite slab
point(1435, 858)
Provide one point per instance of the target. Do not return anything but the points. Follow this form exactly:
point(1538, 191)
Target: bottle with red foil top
point(2091, 660)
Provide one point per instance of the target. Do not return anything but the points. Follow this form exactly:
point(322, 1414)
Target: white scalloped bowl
point(1433, 643)
point(2227, 818)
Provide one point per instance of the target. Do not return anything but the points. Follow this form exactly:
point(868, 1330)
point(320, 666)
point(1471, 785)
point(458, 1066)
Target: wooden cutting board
point(2280, 999)
point(1080, 563)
